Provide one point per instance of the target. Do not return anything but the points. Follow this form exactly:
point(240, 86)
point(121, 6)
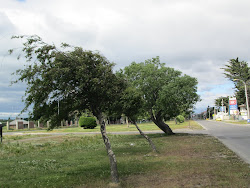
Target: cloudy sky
point(197, 37)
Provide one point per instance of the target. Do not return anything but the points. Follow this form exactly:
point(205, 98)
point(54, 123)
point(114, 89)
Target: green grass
point(81, 161)
point(7, 138)
point(121, 127)
point(237, 122)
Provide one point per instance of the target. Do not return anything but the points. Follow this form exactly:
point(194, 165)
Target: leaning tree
point(166, 92)
point(78, 79)
point(238, 72)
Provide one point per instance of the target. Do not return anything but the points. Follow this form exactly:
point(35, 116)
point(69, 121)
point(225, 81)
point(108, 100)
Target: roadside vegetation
point(149, 126)
point(81, 161)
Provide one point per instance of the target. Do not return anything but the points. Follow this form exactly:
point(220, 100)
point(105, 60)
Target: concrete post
point(8, 126)
point(28, 124)
point(67, 123)
point(16, 124)
point(47, 124)
point(61, 123)
point(38, 124)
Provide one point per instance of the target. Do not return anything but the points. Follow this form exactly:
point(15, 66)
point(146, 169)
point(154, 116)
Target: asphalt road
point(235, 137)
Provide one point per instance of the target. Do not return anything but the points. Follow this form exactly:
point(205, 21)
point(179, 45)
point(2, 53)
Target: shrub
point(87, 122)
point(180, 119)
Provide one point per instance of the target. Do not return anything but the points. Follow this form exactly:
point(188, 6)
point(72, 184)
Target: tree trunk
point(127, 121)
point(147, 138)
point(112, 159)
point(163, 126)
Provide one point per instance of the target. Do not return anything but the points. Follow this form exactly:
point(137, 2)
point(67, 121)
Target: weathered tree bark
point(127, 121)
point(159, 122)
point(112, 159)
point(145, 136)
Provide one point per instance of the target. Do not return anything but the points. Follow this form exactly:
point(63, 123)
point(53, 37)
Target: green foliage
point(240, 94)
point(218, 101)
point(87, 122)
point(180, 119)
point(132, 103)
point(78, 79)
point(238, 70)
point(165, 92)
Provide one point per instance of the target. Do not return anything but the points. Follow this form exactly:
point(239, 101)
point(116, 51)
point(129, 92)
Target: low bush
point(87, 122)
point(180, 119)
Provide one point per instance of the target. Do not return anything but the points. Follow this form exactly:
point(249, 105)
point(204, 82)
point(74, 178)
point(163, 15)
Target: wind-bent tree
point(238, 70)
point(166, 92)
point(132, 107)
point(79, 79)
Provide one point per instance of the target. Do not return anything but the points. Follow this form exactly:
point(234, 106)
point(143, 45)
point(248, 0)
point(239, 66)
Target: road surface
point(235, 137)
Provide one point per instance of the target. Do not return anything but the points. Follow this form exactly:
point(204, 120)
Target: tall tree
point(166, 92)
point(238, 70)
point(79, 79)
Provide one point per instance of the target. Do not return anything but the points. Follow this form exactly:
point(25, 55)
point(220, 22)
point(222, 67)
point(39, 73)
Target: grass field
point(81, 161)
point(119, 127)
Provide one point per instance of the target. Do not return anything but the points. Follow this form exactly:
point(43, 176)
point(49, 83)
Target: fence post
point(28, 124)
point(16, 124)
point(8, 126)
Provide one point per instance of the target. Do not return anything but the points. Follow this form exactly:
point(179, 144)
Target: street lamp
point(246, 96)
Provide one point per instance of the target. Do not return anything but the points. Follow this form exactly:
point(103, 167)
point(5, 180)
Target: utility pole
point(245, 84)
point(1, 132)
point(248, 116)
point(222, 103)
point(208, 112)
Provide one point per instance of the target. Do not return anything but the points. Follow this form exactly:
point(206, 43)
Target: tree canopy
point(218, 101)
point(79, 79)
point(166, 92)
point(235, 71)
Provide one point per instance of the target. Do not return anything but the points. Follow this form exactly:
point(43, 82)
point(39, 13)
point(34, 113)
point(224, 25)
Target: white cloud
point(196, 37)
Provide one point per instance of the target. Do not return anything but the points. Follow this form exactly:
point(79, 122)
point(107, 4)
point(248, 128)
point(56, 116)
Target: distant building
point(22, 124)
